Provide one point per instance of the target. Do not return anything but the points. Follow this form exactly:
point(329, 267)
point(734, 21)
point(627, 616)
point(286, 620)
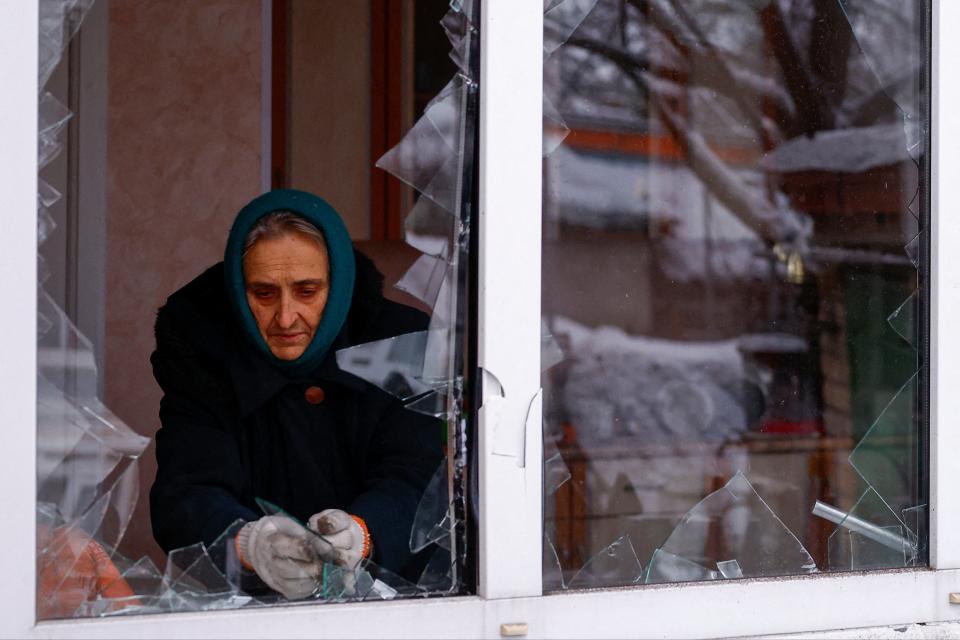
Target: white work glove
point(346, 538)
point(281, 552)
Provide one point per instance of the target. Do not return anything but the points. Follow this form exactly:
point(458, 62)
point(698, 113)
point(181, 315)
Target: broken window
point(139, 179)
point(735, 280)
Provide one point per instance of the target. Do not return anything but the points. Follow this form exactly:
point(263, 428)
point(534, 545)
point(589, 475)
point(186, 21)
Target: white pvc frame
point(510, 577)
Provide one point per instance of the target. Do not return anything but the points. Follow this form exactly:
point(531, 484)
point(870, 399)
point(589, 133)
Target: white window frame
point(510, 459)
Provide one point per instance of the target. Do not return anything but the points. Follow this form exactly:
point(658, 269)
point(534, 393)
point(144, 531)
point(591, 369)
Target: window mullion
point(18, 325)
point(944, 291)
point(509, 298)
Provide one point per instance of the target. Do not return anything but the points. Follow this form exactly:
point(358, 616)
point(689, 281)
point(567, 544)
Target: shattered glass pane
point(88, 472)
point(734, 210)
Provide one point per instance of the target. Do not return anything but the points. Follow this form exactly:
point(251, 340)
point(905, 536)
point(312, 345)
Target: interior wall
point(183, 157)
point(329, 108)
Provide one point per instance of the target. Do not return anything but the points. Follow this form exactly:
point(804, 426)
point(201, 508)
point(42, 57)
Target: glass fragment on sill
point(614, 566)
point(916, 531)
point(904, 319)
point(396, 364)
point(561, 19)
point(667, 567)
point(730, 569)
point(869, 536)
point(886, 455)
point(734, 524)
point(432, 522)
point(437, 576)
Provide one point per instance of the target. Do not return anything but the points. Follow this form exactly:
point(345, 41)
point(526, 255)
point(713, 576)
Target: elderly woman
point(255, 406)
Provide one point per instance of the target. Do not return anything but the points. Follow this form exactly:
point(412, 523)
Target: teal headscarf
point(342, 272)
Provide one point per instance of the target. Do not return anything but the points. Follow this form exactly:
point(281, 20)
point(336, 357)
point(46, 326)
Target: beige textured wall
point(329, 125)
point(183, 156)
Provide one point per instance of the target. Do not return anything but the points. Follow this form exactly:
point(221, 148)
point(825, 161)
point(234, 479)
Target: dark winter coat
point(235, 428)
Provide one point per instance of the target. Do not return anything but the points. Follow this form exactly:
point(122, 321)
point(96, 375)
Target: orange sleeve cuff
point(236, 547)
point(366, 536)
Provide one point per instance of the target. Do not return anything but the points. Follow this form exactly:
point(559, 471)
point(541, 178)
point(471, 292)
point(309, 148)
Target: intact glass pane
point(735, 266)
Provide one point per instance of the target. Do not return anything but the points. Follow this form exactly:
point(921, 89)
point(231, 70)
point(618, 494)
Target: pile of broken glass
point(87, 465)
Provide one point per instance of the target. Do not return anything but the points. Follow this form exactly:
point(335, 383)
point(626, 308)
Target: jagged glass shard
point(887, 456)
point(895, 61)
point(47, 196)
point(555, 129)
point(870, 536)
point(560, 21)
point(427, 156)
point(43, 274)
point(456, 25)
point(730, 569)
point(437, 576)
point(667, 567)
point(432, 521)
point(47, 151)
point(192, 569)
point(615, 565)
point(65, 357)
point(550, 352)
point(430, 228)
point(433, 404)
point(59, 20)
point(424, 279)
point(395, 365)
point(916, 520)
point(913, 249)
point(555, 470)
point(904, 319)
point(52, 117)
point(386, 585)
point(734, 523)
point(552, 569)
point(144, 578)
point(45, 225)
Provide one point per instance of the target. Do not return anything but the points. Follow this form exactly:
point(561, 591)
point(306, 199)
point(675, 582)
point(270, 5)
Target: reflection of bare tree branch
point(830, 49)
point(815, 114)
point(772, 225)
point(709, 61)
